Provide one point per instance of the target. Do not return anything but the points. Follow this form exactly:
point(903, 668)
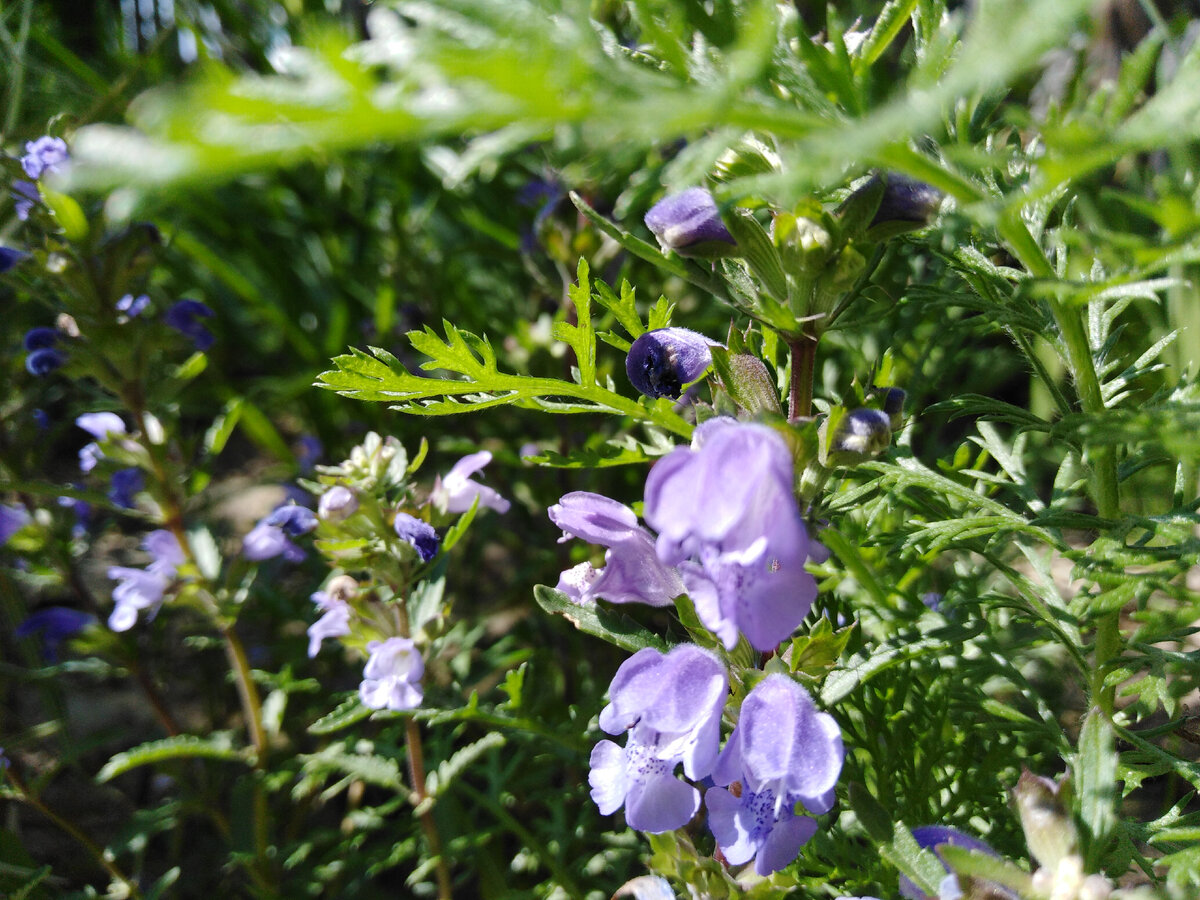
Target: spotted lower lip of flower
point(662, 361)
point(690, 224)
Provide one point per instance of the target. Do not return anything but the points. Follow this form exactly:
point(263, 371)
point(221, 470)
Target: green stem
point(93, 849)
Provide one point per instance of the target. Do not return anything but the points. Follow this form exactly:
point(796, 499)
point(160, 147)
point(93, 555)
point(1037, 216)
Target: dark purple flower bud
point(44, 361)
point(932, 837)
point(39, 338)
point(865, 432)
point(893, 402)
point(9, 258)
point(907, 200)
point(419, 534)
point(184, 316)
point(133, 306)
point(53, 625)
point(124, 485)
point(662, 361)
point(690, 224)
point(41, 419)
point(292, 520)
point(44, 156)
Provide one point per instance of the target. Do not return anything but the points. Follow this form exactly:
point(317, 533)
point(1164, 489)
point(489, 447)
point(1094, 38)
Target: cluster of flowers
point(782, 752)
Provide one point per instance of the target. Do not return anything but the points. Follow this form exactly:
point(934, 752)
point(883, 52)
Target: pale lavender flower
point(143, 589)
point(456, 492)
point(25, 194)
point(782, 752)
point(632, 572)
point(662, 361)
point(103, 426)
point(334, 622)
point(392, 677)
point(12, 520)
point(337, 504)
point(45, 156)
point(271, 536)
point(132, 307)
point(690, 224)
point(727, 518)
point(671, 706)
point(418, 534)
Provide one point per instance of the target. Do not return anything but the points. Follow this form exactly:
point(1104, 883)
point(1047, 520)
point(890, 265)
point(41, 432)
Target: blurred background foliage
point(319, 199)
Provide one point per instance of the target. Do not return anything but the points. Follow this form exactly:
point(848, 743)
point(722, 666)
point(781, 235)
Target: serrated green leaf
point(616, 628)
point(218, 745)
point(349, 712)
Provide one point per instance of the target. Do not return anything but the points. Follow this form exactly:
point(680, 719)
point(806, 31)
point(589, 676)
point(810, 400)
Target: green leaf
point(862, 667)
point(616, 628)
point(1095, 778)
point(349, 712)
point(746, 379)
point(438, 781)
point(919, 864)
point(977, 864)
point(218, 745)
point(759, 252)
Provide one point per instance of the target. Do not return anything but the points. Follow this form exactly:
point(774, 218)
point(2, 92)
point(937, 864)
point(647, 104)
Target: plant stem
point(93, 849)
point(416, 771)
point(804, 362)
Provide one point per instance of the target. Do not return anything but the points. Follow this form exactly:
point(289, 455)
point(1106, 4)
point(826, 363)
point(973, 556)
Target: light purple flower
point(25, 195)
point(726, 516)
point(632, 572)
point(392, 677)
point(103, 426)
point(45, 156)
point(293, 519)
point(662, 361)
point(337, 504)
point(671, 706)
point(125, 483)
point(456, 492)
point(143, 589)
point(417, 534)
point(53, 625)
point(782, 752)
point(335, 622)
point(132, 306)
point(12, 520)
point(271, 536)
point(690, 224)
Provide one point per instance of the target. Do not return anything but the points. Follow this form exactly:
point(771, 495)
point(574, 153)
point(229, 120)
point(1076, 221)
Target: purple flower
point(270, 537)
point(726, 516)
point(25, 195)
point(782, 752)
point(419, 535)
point(690, 224)
point(392, 677)
point(12, 520)
point(335, 621)
point(45, 156)
point(308, 451)
point(54, 624)
point(671, 706)
point(143, 589)
point(632, 572)
point(39, 338)
point(456, 493)
point(124, 485)
point(662, 361)
point(932, 837)
point(184, 316)
point(102, 426)
point(44, 361)
point(9, 258)
point(132, 306)
point(905, 200)
point(863, 432)
point(337, 504)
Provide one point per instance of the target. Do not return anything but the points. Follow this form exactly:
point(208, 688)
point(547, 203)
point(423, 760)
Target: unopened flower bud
point(867, 432)
point(690, 224)
point(418, 534)
point(1049, 830)
point(341, 588)
point(44, 361)
point(662, 361)
point(337, 504)
point(905, 204)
